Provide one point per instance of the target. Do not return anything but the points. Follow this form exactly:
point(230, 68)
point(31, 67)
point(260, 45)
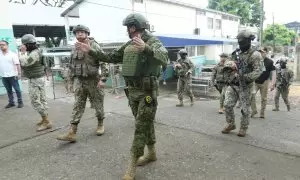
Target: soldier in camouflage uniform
point(34, 66)
point(184, 68)
point(284, 79)
point(142, 58)
point(218, 80)
point(85, 75)
point(249, 68)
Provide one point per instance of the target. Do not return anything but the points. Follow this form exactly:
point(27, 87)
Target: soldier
point(262, 84)
point(33, 66)
point(141, 57)
point(67, 80)
point(115, 80)
point(284, 79)
point(218, 80)
point(248, 65)
point(184, 68)
point(84, 72)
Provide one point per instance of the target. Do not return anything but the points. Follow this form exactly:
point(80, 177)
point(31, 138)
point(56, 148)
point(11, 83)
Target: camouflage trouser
point(284, 92)
point(144, 110)
point(263, 88)
point(115, 83)
point(184, 84)
point(231, 97)
point(38, 95)
point(222, 95)
point(85, 88)
point(68, 85)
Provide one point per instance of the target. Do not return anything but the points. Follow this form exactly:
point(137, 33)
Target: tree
point(283, 36)
point(248, 10)
point(52, 3)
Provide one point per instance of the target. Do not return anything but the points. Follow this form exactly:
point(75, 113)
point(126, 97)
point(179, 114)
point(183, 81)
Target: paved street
point(189, 144)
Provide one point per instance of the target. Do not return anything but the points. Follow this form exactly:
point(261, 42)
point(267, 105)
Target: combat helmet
point(246, 34)
point(28, 39)
point(224, 55)
point(183, 52)
point(136, 19)
point(81, 27)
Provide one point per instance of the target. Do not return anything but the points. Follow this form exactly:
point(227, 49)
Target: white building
point(165, 16)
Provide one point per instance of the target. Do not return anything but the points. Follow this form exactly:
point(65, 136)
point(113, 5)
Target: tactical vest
point(36, 70)
point(138, 64)
point(184, 67)
point(83, 65)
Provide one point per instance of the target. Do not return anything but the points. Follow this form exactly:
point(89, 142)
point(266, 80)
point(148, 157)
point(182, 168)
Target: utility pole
point(273, 34)
point(262, 18)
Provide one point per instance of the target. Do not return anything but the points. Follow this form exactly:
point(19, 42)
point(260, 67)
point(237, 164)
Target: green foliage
point(248, 10)
point(283, 36)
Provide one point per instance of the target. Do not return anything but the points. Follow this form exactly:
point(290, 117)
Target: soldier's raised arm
point(256, 60)
point(27, 60)
point(116, 56)
point(155, 49)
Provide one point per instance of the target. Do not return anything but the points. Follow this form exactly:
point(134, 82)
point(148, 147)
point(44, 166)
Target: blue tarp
point(191, 40)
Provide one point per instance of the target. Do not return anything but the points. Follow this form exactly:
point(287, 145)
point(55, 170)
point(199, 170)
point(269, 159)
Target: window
point(191, 50)
point(139, 1)
point(218, 24)
point(210, 23)
point(201, 12)
point(200, 50)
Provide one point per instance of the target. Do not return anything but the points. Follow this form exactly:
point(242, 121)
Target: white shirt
point(8, 64)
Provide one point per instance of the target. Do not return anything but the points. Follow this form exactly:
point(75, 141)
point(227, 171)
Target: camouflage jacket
point(155, 54)
point(94, 63)
point(186, 66)
point(218, 73)
point(254, 64)
point(284, 77)
point(33, 64)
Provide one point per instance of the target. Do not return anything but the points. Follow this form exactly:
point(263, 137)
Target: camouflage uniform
point(218, 80)
point(252, 59)
point(140, 70)
point(184, 68)
point(284, 79)
point(67, 80)
point(85, 76)
point(34, 69)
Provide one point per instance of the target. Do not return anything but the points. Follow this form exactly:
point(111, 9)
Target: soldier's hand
point(234, 67)
point(272, 87)
point(101, 84)
point(83, 46)
point(138, 43)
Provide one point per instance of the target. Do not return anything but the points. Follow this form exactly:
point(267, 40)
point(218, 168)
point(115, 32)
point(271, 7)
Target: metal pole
point(273, 34)
point(262, 18)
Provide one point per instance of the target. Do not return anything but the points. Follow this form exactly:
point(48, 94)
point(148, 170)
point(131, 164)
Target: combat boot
point(192, 101)
point(131, 169)
point(242, 132)
point(44, 124)
point(100, 128)
point(275, 109)
point(221, 110)
point(288, 107)
point(253, 113)
point(39, 123)
point(228, 128)
point(151, 156)
point(262, 114)
point(70, 136)
point(180, 104)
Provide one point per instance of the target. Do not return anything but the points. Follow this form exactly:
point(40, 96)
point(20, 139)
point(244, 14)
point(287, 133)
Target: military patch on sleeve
point(148, 99)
